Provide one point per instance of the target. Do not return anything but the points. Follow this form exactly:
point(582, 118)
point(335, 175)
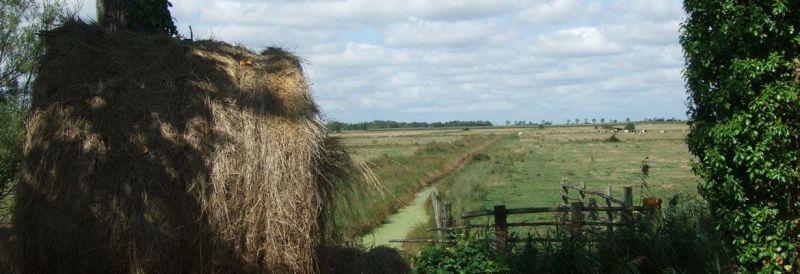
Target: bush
point(742, 82)
point(481, 157)
point(11, 124)
point(468, 255)
point(630, 126)
point(682, 240)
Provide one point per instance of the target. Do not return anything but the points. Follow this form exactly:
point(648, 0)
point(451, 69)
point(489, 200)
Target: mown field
point(525, 168)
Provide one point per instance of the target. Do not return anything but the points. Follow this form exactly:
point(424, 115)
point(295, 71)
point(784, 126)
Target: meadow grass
point(523, 170)
point(401, 174)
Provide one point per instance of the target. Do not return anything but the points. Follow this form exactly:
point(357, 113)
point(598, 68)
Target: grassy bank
point(401, 175)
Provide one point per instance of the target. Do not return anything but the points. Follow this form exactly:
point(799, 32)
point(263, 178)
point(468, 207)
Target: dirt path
point(400, 223)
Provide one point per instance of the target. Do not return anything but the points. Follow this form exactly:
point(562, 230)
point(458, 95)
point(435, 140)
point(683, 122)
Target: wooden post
point(437, 213)
point(582, 192)
point(564, 199)
point(576, 226)
point(500, 228)
point(467, 222)
point(609, 228)
point(628, 204)
point(448, 218)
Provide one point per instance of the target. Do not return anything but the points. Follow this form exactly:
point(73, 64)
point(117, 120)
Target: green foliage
point(630, 126)
point(20, 47)
point(467, 255)
point(151, 16)
point(681, 240)
point(745, 109)
point(11, 126)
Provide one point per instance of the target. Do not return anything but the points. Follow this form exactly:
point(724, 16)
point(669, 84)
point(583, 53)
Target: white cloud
point(554, 11)
point(466, 59)
point(578, 41)
point(420, 33)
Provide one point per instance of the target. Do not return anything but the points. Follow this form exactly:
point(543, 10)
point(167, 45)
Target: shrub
point(468, 255)
point(740, 61)
point(481, 157)
point(630, 126)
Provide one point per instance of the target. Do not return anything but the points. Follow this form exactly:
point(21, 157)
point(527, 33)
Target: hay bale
point(145, 154)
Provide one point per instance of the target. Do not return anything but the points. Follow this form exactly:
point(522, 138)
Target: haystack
point(145, 154)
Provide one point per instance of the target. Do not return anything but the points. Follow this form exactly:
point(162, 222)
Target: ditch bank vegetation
point(401, 178)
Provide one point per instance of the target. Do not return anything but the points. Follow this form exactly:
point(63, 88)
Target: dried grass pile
point(145, 154)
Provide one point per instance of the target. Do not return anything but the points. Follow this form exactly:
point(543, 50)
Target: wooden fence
point(572, 211)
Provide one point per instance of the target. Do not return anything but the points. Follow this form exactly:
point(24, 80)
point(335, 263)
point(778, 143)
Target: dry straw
point(148, 155)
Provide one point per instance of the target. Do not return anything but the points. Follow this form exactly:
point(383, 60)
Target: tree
point(577, 121)
point(136, 15)
point(602, 120)
point(20, 49)
point(741, 75)
point(627, 120)
point(20, 46)
point(594, 120)
point(567, 122)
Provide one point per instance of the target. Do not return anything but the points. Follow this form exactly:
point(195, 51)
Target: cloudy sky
point(495, 60)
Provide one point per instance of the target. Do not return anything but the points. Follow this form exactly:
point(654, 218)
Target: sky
point(495, 60)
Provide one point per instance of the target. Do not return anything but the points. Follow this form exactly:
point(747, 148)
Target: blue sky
point(496, 60)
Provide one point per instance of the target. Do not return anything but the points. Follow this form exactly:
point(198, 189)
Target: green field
point(525, 168)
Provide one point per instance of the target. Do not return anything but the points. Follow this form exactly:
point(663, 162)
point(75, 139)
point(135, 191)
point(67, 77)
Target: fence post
point(448, 218)
point(609, 228)
point(437, 213)
point(500, 228)
point(564, 199)
point(577, 219)
point(582, 192)
point(628, 204)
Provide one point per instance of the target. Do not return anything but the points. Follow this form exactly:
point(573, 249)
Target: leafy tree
point(627, 120)
point(20, 49)
point(136, 15)
point(594, 120)
point(741, 61)
point(20, 46)
point(602, 120)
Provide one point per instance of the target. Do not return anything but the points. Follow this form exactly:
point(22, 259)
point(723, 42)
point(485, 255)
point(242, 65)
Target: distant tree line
point(586, 121)
point(381, 124)
point(527, 123)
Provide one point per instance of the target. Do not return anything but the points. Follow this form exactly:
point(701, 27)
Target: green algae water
point(399, 224)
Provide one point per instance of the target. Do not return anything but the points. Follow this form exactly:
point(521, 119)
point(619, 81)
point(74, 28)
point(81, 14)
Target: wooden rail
point(573, 215)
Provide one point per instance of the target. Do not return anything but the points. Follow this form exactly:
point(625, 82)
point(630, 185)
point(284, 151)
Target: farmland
point(525, 166)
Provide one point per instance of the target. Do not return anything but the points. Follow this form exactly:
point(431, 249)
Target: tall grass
point(681, 240)
point(363, 207)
